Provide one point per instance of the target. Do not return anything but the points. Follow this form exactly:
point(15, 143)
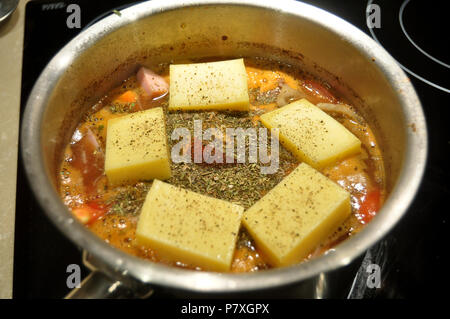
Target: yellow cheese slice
point(188, 227)
point(209, 86)
point(296, 215)
point(136, 147)
point(312, 135)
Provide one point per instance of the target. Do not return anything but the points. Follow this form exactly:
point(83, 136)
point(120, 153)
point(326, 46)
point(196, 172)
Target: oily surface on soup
point(112, 212)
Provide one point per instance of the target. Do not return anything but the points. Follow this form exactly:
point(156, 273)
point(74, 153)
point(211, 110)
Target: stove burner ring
point(402, 8)
point(400, 18)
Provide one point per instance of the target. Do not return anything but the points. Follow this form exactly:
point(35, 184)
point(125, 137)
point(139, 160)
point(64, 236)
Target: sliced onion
point(339, 108)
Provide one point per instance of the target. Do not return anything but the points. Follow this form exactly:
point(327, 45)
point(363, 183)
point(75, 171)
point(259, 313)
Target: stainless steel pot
point(160, 31)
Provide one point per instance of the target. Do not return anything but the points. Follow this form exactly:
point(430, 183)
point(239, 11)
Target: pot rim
point(126, 265)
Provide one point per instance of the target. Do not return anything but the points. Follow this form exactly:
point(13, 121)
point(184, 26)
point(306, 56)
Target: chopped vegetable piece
point(127, 97)
point(311, 134)
point(266, 79)
point(136, 147)
point(189, 227)
point(321, 94)
point(296, 215)
point(88, 158)
point(288, 95)
point(209, 86)
point(370, 206)
point(153, 84)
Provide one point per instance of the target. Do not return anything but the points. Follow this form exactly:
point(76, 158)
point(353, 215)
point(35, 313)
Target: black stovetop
point(411, 256)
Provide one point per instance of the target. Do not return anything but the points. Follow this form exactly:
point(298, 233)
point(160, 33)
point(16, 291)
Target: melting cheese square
point(296, 215)
point(188, 227)
point(136, 147)
point(312, 135)
point(209, 86)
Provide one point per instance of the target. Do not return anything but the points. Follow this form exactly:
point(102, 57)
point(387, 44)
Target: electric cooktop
point(411, 257)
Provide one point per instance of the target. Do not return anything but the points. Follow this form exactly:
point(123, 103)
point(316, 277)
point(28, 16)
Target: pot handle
point(102, 285)
point(97, 285)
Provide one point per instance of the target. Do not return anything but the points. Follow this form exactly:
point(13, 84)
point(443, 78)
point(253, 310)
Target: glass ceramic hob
point(411, 257)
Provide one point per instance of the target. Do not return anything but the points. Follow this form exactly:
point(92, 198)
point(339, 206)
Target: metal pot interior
point(154, 32)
